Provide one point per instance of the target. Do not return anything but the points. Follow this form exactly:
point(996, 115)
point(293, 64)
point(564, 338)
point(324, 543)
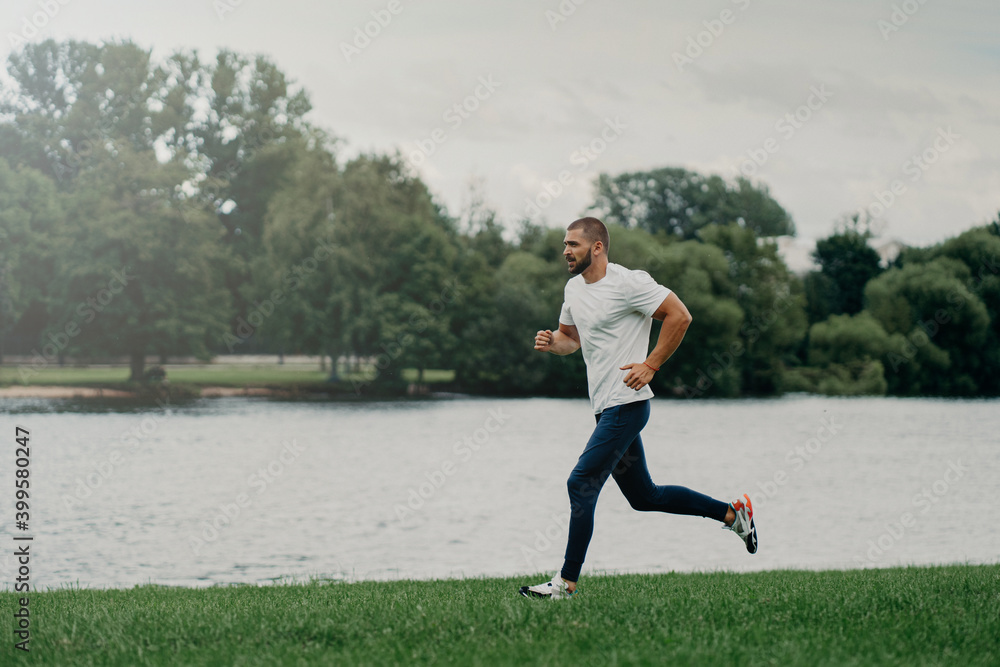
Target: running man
point(608, 311)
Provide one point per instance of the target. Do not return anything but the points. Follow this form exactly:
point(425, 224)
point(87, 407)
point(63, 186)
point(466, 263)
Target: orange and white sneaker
point(743, 524)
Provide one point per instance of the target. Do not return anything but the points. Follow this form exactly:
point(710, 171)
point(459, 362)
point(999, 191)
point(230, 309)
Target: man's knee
point(639, 503)
point(640, 496)
point(582, 488)
point(625, 463)
point(576, 484)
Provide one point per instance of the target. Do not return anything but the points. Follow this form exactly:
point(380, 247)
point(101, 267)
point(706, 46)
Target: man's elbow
point(684, 319)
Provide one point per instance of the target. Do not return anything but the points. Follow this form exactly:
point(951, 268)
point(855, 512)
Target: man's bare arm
point(676, 319)
point(564, 341)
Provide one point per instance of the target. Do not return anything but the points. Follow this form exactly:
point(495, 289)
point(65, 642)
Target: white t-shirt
point(613, 317)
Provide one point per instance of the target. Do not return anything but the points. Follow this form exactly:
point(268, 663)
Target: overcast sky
point(705, 85)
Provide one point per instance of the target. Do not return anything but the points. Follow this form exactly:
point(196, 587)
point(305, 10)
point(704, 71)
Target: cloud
point(615, 59)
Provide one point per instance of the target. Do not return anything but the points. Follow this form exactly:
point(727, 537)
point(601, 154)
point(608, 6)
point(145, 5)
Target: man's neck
point(595, 272)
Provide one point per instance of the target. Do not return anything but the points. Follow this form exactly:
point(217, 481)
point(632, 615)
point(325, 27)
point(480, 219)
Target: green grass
point(914, 616)
point(222, 375)
point(431, 376)
point(64, 376)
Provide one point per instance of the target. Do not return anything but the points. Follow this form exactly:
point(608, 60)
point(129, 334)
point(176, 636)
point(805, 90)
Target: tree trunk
point(334, 368)
point(137, 363)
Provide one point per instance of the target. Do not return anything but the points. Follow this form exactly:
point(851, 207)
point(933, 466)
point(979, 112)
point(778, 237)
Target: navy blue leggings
point(615, 449)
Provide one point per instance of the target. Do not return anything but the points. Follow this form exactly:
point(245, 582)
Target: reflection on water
point(249, 490)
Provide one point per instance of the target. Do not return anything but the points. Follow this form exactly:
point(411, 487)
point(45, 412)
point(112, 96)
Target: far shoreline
point(54, 391)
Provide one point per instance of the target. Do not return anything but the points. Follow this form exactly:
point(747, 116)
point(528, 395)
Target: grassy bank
point(914, 616)
point(221, 375)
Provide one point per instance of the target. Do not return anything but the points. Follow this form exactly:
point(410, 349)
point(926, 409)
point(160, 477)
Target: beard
point(582, 265)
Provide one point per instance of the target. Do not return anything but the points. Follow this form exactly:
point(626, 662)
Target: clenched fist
point(543, 340)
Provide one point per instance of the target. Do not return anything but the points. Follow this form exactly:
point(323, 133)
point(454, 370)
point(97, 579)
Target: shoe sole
point(752, 538)
point(531, 594)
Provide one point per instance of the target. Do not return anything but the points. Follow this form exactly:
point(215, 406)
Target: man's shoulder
point(630, 276)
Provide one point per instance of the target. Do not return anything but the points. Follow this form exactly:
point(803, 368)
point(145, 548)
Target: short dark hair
point(593, 229)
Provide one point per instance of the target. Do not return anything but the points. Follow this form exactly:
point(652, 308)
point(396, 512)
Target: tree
point(294, 298)
point(228, 121)
point(113, 130)
point(847, 263)
point(402, 245)
point(496, 356)
point(944, 327)
point(245, 145)
point(978, 249)
point(31, 217)
point(230, 129)
point(843, 339)
point(772, 304)
point(138, 277)
point(385, 285)
point(845, 356)
point(678, 202)
point(70, 101)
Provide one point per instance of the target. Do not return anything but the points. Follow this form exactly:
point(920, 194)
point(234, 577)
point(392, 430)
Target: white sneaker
point(743, 524)
point(557, 589)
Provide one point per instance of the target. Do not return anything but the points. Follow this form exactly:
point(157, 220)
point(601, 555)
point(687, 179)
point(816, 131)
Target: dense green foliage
point(679, 202)
point(188, 208)
point(912, 616)
point(847, 263)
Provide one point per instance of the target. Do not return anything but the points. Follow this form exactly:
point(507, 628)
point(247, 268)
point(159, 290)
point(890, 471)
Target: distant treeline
point(188, 208)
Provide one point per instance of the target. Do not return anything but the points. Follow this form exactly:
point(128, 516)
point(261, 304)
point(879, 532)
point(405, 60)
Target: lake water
point(230, 490)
